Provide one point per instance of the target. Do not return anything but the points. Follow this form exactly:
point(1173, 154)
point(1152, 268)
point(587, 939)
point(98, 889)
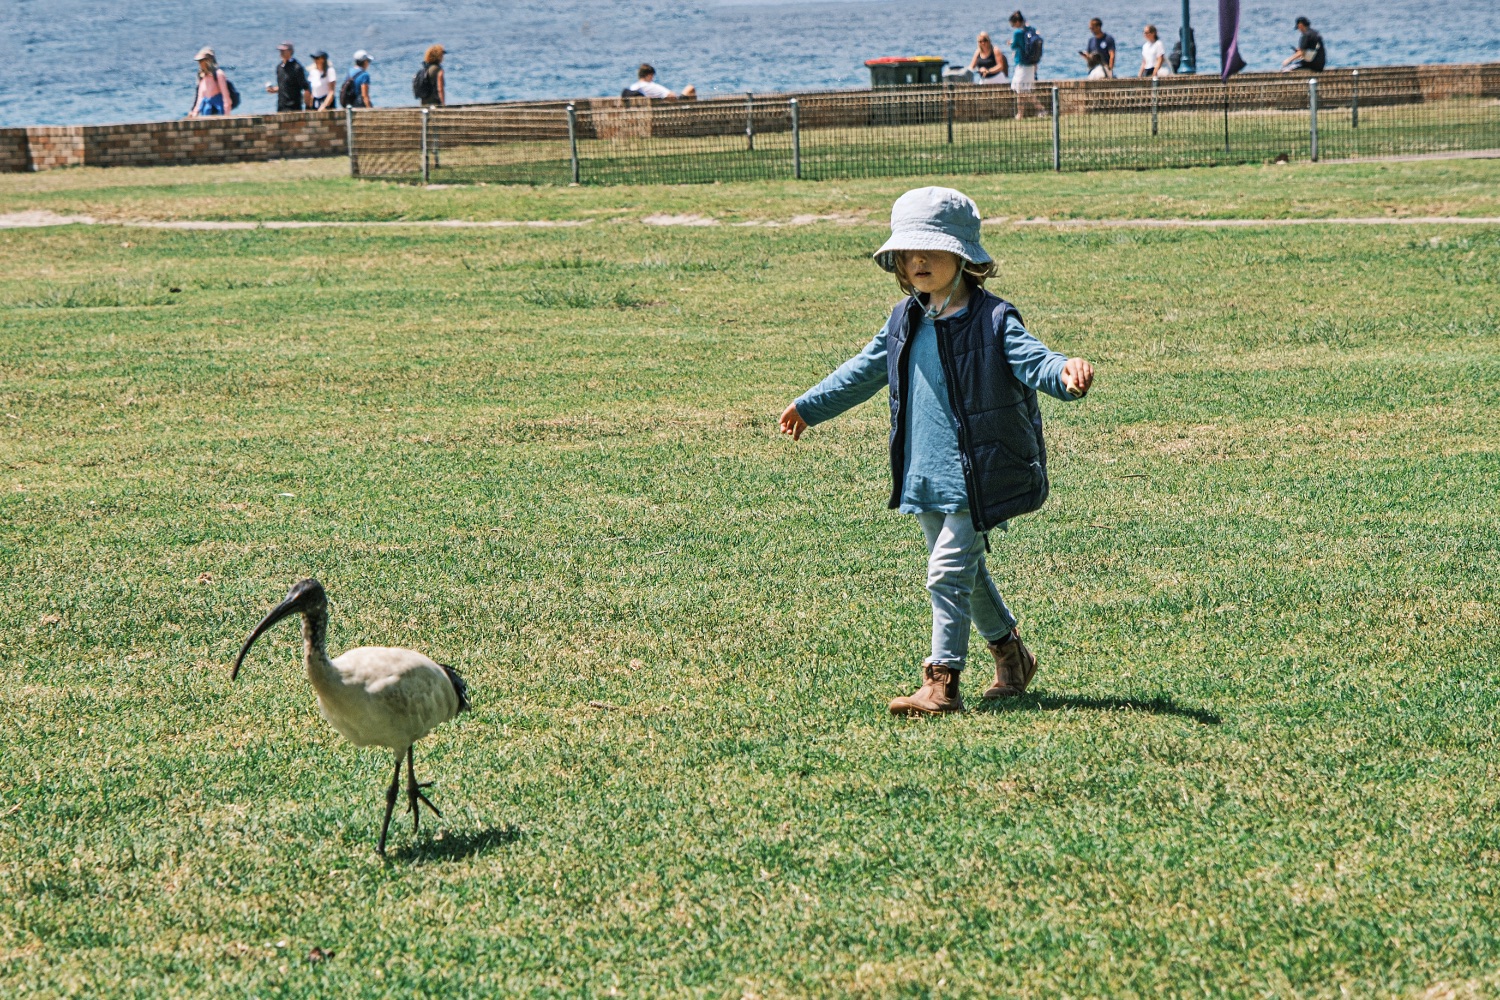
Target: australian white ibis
point(375, 696)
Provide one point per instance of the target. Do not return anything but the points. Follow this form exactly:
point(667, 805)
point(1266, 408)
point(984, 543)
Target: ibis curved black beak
point(304, 596)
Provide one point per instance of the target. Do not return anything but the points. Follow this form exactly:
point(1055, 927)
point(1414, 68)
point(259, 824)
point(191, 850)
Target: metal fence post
point(424, 145)
point(750, 121)
point(1153, 105)
point(1056, 131)
point(573, 139)
point(1226, 119)
point(949, 90)
point(796, 140)
point(1354, 103)
point(1312, 116)
point(349, 140)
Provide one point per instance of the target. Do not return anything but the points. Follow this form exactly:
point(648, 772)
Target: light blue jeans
point(959, 584)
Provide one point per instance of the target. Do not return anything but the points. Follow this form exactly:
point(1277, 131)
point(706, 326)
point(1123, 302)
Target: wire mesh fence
point(953, 129)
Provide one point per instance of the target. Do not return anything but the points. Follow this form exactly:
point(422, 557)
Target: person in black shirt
point(291, 89)
point(1310, 54)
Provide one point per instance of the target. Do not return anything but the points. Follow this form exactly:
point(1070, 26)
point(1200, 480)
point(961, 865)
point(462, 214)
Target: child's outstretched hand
point(793, 424)
point(1077, 376)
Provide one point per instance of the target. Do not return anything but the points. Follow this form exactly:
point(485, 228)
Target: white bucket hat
point(933, 218)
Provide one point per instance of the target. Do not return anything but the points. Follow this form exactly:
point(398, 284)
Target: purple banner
point(1230, 62)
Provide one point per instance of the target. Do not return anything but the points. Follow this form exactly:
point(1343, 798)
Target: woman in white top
point(322, 81)
point(1154, 55)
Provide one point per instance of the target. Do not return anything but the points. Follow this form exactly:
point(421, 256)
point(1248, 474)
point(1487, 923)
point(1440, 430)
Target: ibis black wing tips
point(459, 687)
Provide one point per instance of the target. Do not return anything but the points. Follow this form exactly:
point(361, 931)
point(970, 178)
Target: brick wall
point(230, 139)
point(12, 150)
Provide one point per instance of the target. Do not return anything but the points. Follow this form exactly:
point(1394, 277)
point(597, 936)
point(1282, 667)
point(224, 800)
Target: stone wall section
point(230, 139)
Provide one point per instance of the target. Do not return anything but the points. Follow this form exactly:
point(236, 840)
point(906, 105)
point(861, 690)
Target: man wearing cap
point(359, 76)
point(290, 88)
point(1310, 54)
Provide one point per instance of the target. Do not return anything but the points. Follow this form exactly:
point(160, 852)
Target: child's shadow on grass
point(454, 844)
point(1039, 702)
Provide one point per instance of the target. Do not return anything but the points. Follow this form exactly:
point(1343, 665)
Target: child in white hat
point(967, 452)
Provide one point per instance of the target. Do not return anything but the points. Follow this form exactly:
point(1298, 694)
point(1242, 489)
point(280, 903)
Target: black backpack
point(1034, 45)
point(349, 93)
point(234, 93)
point(424, 84)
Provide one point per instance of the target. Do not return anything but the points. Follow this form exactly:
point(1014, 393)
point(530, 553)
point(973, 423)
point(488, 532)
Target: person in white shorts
point(1023, 78)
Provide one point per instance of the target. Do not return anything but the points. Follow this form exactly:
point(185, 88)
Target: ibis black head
point(305, 597)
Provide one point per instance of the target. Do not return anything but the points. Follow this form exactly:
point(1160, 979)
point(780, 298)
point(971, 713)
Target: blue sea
point(81, 61)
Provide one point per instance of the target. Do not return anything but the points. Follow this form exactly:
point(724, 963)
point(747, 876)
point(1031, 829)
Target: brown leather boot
point(938, 693)
point(1014, 667)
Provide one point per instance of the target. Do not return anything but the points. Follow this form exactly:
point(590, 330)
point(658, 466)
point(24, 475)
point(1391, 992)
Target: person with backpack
point(1026, 47)
point(355, 93)
point(428, 86)
point(291, 89)
point(214, 88)
point(1310, 54)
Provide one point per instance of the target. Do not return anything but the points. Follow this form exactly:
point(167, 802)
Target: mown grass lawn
point(1259, 758)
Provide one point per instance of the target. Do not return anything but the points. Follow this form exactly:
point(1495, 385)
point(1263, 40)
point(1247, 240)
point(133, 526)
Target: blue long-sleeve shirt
point(933, 472)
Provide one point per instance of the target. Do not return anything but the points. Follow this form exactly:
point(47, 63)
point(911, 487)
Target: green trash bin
point(906, 71)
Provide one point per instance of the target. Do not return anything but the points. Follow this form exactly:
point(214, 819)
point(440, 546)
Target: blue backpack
point(1034, 44)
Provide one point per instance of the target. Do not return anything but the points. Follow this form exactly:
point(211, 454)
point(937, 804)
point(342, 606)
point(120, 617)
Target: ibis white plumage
point(375, 696)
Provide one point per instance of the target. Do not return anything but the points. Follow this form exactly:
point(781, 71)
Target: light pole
point(1189, 62)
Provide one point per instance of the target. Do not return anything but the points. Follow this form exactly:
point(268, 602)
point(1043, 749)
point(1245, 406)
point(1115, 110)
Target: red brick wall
point(232, 139)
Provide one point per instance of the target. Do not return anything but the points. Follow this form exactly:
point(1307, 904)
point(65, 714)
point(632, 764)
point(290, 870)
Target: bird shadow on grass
point(1041, 702)
point(454, 844)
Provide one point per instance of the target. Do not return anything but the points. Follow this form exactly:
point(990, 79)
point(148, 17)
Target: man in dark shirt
point(1101, 45)
point(291, 89)
point(1310, 54)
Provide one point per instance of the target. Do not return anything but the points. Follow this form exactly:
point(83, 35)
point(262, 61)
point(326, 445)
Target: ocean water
point(83, 61)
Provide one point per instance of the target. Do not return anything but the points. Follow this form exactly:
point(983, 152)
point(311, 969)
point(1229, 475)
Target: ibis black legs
point(390, 804)
point(414, 793)
point(414, 798)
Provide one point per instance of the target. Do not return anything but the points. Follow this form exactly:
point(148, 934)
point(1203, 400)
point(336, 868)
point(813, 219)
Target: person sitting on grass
point(966, 445)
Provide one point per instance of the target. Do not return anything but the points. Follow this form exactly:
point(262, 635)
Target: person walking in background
point(321, 82)
point(988, 64)
point(213, 97)
point(290, 87)
point(430, 87)
point(1099, 51)
point(646, 86)
point(356, 91)
point(1310, 54)
point(1023, 42)
point(1154, 55)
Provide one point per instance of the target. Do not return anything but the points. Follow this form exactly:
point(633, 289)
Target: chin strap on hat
point(932, 312)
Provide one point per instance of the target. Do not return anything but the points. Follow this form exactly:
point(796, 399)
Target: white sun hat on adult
point(933, 218)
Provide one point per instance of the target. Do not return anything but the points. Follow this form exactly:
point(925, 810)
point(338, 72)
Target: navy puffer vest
point(999, 423)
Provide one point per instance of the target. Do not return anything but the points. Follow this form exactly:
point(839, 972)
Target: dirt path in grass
point(38, 219)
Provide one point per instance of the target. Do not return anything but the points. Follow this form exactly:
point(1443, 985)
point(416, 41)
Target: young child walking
point(966, 434)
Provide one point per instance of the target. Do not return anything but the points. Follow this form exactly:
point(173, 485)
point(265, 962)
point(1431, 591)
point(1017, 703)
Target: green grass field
point(1259, 759)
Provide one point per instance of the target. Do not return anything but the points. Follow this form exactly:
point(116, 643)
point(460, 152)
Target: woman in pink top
point(213, 87)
